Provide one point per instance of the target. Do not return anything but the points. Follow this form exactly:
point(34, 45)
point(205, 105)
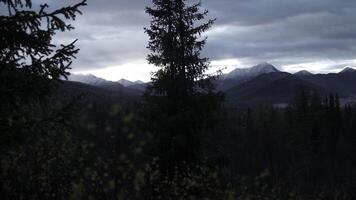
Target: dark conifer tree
point(30, 61)
point(181, 94)
point(176, 48)
point(36, 147)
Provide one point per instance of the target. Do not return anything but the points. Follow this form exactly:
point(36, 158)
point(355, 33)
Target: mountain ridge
point(261, 84)
point(262, 68)
point(237, 75)
point(347, 69)
point(303, 73)
point(241, 75)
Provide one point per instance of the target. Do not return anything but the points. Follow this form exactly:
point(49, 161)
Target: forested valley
point(180, 140)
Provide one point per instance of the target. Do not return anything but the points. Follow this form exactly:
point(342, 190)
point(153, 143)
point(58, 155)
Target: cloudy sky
point(316, 35)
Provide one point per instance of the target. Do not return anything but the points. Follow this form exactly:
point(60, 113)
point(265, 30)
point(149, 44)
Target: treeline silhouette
point(307, 146)
point(179, 142)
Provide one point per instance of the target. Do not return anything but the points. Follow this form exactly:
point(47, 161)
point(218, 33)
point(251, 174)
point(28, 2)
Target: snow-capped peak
point(87, 79)
point(348, 69)
point(263, 68)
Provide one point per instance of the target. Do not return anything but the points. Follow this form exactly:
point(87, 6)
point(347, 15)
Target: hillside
point(97, 94)
point(343, 83)
point(268, 89)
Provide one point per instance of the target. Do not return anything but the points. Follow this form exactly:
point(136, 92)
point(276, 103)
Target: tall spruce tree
point(30, 62)
point(181, 97)
point(36, 147)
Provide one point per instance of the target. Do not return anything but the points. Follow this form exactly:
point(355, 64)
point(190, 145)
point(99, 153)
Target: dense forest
point(179, 141)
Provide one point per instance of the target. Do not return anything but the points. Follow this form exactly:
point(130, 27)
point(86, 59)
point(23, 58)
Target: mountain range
point(95, 81)
point(241, 75)
point(260, 84)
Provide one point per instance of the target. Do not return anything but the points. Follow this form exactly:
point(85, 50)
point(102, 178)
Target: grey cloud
point(324, 34)
point(282, 31)
point(255, 12)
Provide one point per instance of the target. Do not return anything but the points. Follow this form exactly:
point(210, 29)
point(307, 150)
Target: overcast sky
point(316, 35)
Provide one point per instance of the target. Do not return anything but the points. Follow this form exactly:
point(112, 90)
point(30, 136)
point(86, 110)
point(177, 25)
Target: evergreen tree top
point(29, 58)
point(26, 38)
point(175, 42)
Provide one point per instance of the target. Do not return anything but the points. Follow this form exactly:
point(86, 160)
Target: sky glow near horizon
point(317, 36)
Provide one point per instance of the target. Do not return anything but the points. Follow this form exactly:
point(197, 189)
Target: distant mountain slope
point(348, 69)
point(68, 89)
point(303, 73)
point(343, 83)
point(274, 88)
point(123, 84)
point(101, 85)
point(87, 79)
point(139, 87)
point(128, 83)
point(241, 75)
point(268, 89)
point(263, 68)
point(138, 82)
